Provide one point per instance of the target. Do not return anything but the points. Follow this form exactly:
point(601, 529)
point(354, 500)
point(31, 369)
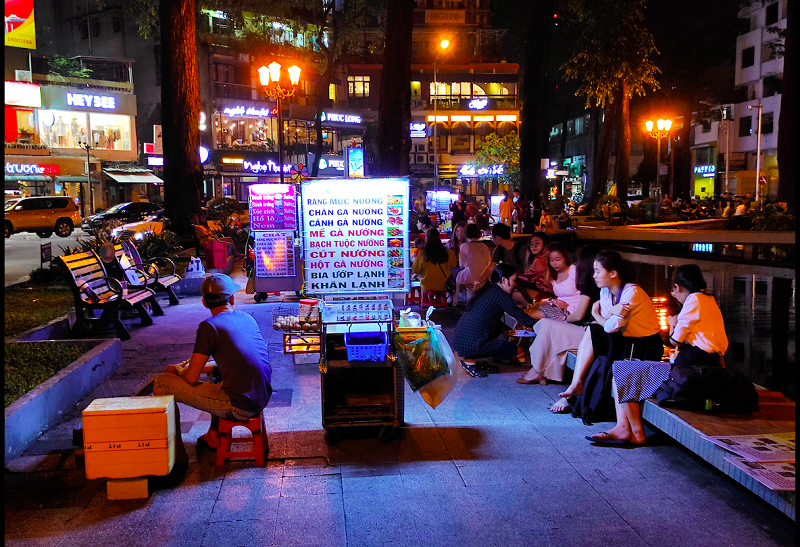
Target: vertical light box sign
point(273, 219)
point(356, 235)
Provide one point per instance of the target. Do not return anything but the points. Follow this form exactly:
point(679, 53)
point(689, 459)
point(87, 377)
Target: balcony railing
point(498, 102)
point(224, 90)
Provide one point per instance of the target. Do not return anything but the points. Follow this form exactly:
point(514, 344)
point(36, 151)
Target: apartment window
point(773, 85)
point(332, 92)
point(116, 24)
point(745, 126)
point(555, 132)
point(766, 123)
point(157, 55)
point(748, 57)
point(95, 27)
point(571, 128)
point(772, 14)
point(358, 86)
point(84, 29)
point(706, 125)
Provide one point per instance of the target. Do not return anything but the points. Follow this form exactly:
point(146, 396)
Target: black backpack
point(689, 387)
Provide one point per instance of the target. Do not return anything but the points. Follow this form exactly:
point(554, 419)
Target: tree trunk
point(535, 98)
point(624, 149)
point(591, 152)
point(598, 182)
point(322, 92)
point(787, 172)
point(180, 108)
point(394, 139)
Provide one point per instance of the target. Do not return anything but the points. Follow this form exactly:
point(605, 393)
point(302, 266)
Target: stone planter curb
point(57, 329)
point(45, 405)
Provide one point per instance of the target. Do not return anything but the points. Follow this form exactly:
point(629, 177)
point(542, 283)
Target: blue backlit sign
point(419, 130)
point(355, 162)
point(478, 104)
point(707, 171)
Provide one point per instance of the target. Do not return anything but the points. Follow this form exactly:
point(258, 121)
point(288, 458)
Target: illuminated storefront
point(70, 118)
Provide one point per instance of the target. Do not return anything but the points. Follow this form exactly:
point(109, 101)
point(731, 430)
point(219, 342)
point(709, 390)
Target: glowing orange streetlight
point(660, 131)
point(270, 77)
point(444, 44)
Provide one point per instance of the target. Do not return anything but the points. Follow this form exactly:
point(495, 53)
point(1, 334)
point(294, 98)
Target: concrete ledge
point(188, 285)
point(44, 406)
point(691, 437)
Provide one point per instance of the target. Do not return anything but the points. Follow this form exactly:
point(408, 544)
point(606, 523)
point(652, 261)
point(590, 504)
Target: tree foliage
point(496, 150)
point(61, 65)
point(613, 58)
point(614, 45)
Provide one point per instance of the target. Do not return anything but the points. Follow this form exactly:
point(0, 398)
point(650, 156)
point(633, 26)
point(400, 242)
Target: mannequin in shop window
point(61, 131)
point(73, 131)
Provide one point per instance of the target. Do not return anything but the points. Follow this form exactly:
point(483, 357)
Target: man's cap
point(217, 289)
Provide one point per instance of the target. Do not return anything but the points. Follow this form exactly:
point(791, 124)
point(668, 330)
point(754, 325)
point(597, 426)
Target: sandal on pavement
point(610, 441)
point(474, 370)
point(542, 382)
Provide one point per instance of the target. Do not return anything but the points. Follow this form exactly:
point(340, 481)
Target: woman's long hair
point(500, 272)
point(612, 261)
point(435, 252)
point(563, 251)
point(584, 272)
point(690, 277)
point(454, 242)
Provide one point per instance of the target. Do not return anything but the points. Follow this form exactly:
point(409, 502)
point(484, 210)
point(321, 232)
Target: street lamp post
point(661, 131)
point(443, 45)
point(270, 77)
point(86, 146)
point(758, 151)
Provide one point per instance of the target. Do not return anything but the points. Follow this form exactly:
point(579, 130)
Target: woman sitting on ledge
point(698, 330)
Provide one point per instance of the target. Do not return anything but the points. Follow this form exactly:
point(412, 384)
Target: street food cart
point(355, 235)
point(276, 238)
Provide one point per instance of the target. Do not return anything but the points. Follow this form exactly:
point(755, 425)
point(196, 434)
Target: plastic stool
point(260, 441)
point(414, 295)
point(437, 299)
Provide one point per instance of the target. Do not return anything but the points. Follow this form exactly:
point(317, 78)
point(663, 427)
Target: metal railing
point(224, 90)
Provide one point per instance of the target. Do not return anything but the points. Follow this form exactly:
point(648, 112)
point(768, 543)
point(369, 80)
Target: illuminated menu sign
point(355, 162)
point(274, 252)
point(273, 207)
point(356, 235)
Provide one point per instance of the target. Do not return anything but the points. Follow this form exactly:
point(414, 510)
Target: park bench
point(147, 274)
point(93, 290)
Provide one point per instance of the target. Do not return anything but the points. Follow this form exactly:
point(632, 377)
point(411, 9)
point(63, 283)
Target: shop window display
point(62, 129)
point(110, 131)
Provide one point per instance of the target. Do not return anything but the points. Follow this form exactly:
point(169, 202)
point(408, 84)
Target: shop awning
point(134, 178)
point(75, 178)
point(28, 178)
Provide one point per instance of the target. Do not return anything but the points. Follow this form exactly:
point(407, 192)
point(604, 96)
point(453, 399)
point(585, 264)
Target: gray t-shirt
point(235, 342)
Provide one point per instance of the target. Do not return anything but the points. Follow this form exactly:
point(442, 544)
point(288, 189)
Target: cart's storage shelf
point(300, 343)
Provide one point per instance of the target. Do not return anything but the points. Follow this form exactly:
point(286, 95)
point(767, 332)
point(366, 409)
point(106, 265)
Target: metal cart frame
point(378, 408)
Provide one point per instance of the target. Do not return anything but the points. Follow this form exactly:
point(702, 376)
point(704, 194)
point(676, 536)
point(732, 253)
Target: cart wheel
point(386, 434)
point(330, 437)
point(259, 296)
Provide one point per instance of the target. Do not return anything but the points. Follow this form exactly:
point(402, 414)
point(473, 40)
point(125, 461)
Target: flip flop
point(474, 370)
point(611, 442)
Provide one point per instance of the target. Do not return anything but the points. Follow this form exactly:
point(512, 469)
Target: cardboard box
point(127, 437)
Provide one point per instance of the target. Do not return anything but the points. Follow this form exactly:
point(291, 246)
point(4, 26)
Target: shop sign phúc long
point(356, 235)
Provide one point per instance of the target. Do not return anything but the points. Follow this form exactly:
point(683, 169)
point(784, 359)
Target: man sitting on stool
point(234, 340)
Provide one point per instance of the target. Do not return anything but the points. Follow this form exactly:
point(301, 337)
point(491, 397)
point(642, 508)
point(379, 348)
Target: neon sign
point(32, 169)
point(473, 171)
point(478, 104)
point(236, 111)
point(269, 167)
point(418, 130)
point(91, 101)
point(340, 118)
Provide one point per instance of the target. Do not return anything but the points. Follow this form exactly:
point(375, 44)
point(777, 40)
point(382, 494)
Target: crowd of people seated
point(587, 303)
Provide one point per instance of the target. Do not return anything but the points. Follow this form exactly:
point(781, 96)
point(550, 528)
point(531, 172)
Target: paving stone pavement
point(489, 467)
